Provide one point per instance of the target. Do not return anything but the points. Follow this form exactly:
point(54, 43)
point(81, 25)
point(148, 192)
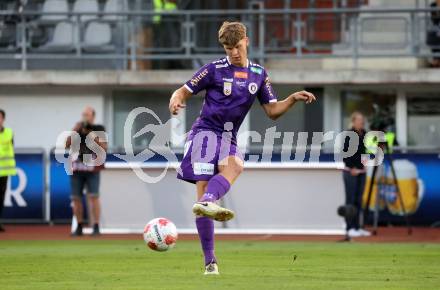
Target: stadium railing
point(124, 38)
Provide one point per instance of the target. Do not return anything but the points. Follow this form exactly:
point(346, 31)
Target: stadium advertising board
point(24, 200)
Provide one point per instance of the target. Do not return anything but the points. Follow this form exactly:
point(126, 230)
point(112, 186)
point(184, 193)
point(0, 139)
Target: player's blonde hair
point(230, 33)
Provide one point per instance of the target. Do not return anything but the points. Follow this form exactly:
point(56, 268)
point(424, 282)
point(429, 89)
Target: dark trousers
point(354, 188)
point(3, 184)
point(166, 36)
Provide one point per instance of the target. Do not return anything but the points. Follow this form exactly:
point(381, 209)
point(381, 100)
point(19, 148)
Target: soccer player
point(211, 158)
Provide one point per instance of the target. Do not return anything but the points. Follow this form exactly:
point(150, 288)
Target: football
point(160, 234)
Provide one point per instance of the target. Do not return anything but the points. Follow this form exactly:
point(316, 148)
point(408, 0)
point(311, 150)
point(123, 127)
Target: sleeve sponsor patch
point(257, 70)
point(195, 80)
point(268, 87)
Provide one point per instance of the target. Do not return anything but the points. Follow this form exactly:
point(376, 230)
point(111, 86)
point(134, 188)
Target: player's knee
point(231, 167)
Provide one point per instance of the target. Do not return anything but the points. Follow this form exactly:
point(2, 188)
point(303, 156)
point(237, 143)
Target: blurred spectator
point(144, 35)
point(354, 176)
point(433, 34)
point(166, 33)
point(86, 175)
point(7, 160)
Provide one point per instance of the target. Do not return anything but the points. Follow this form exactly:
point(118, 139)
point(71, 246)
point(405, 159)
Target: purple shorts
point(202, 153)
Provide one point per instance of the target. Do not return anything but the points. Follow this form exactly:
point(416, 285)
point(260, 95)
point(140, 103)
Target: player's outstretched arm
point(277, 109)
point(178, 99)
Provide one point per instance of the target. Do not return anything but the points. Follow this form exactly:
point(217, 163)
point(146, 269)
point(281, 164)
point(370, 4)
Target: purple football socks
point(205, 228)
point(217, 187)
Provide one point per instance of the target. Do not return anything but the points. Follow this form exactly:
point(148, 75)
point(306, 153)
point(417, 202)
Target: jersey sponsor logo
point(227, 88)
point(253, 88)
point(256, 70)
point(228, 80)
point(240, 75)
point(195, 80)
point(221, 65)
point(241, 83)
point(203, 168)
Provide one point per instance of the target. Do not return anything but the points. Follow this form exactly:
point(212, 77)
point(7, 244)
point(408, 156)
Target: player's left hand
point(175, 105)
point(305, 96)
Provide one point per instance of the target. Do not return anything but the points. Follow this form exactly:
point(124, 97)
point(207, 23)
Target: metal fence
point(138, 40)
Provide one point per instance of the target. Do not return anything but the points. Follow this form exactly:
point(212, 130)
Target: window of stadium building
point(373, 104)
point(424, 121)
point(125, 101)
point(302, 118)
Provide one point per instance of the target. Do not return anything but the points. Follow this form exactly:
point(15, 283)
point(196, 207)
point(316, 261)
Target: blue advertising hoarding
point(25, 197)
point(24, 200)
point(60, 209)
point(423, 204)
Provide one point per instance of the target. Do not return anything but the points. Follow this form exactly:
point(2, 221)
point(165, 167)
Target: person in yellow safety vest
point(371, 143)
point(162, 5)
point(7, 160)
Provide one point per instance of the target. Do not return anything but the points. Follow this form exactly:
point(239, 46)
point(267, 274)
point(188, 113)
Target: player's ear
point(247, 41)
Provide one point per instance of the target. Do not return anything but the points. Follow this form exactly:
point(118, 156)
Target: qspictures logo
point(345, 144)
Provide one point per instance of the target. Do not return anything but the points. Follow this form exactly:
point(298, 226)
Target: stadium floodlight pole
point(365, 208)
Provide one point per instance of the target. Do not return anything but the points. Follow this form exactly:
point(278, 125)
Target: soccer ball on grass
point(160, 234)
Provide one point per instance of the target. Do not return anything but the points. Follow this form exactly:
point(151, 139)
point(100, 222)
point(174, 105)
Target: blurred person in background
point(84, 175)
point(166, 33)
point(354, 175)
point(433, 33)
point(7, 160)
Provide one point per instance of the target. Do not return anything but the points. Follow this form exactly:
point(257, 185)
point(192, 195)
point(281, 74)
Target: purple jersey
point(230, 93)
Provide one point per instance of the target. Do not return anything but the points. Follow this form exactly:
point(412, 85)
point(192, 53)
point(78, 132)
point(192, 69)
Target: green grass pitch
point(105, 264)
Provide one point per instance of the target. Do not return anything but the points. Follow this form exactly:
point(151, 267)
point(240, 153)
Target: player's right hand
point(176, 104)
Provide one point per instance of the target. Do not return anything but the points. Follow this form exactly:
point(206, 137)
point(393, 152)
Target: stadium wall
point(39, 114)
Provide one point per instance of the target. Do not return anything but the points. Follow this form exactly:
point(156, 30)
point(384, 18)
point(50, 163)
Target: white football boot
point(353, 233)
point(364, 233)
point(213, 211)
point(212, 269)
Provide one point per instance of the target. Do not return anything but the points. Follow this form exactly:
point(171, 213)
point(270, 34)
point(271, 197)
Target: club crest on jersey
point(227, 88)
point(253, 88)
point(240, 75)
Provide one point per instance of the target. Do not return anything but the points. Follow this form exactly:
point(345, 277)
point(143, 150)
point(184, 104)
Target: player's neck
point(243, 64)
